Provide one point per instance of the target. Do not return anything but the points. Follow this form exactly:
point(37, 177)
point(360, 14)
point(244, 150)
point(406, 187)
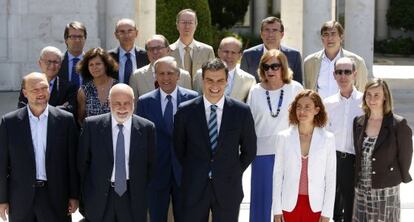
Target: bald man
point(116, 156)
point(239, 82)
point(38, 145)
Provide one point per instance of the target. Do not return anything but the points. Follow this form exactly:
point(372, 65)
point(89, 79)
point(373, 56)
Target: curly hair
point(320, 119)
point(111, 67)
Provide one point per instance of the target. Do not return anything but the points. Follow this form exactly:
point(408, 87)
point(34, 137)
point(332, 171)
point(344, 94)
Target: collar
point(44, 114)
point(173, 94)
point(219, 104)
point(231, 74)
point(70, 56)
point(338, 55)
point(122, 52)
point(127, 124)
point(353, 96)
point(182, 45)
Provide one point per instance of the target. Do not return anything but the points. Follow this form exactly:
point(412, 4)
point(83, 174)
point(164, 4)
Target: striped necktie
point(212, 127)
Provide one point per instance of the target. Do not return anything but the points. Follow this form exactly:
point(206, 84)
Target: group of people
point(173, 125)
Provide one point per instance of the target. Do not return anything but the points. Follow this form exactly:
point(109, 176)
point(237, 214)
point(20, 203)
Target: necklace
point(278, 105)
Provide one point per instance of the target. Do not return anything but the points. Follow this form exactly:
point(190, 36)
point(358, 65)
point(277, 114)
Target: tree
point(400, 14)
point(226, 13)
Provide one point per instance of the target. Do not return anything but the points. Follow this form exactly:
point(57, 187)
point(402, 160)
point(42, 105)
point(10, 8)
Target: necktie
point(187, 60)
point(128, 68)
point(74, 74)
point(168, 115)
point(212, 127)
point(120, 171)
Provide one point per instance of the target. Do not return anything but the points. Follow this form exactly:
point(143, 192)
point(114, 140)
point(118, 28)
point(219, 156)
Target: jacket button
point(392, 169)
point(211, 160)
point(373, 172)
point(373, 159)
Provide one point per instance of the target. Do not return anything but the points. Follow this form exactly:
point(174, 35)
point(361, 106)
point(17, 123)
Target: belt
point(344, 155)
point(39, 183)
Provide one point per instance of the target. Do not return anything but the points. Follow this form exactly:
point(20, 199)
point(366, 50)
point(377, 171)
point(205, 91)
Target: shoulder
point(314, 56)
point(142, 70)
point(113, 51)
point(331, 99)
point(203, 45)
point(60, 112)
point(98, 119)
point(287, 132)
point(187, 92)
point(174, 46)
point(289, 50)
point(295, 85)
point(190, 104)
point(236, 104)
point(253, 49)
point(140, 50)
point(245, 75)
point(352, 55)
point(142, 121)
point(184, 72)
point(13, 114)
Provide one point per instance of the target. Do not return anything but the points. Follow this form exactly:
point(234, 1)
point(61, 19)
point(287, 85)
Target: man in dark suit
point(214, 141)
point(115, 160)
point(75, 35)
point(159, 107)
point(271, 33)
point(62, 93)
point(38, 177)
point(127, 55)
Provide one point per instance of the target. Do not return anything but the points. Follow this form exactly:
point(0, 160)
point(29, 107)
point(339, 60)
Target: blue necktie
point(75, 75)
point(128, 68)
point(168, 115)
point(120, 171)
point(212, 127)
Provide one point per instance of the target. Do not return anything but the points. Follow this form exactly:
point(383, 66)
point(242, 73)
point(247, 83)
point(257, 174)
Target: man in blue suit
point(159, 106)
point(271, 33)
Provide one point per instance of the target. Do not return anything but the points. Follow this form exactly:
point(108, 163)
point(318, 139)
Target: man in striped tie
point(215, 141)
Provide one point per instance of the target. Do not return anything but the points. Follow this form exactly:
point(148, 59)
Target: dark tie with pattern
point(168, 115)
point(75, 75)
point(212, 127)
point(128, 68)
point(120, 171)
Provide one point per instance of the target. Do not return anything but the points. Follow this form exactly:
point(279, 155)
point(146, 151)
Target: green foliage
point(226, 13)
point(400, 14)
point(402, 46)
point(167, 11)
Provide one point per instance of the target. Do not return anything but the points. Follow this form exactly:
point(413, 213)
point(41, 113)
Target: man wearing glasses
point(342, 107)
point(75, 36)
point(271, 33)
point(62, 93)
point(189, 53)
point(127, 55)
point(143, 79)
point(320, 65)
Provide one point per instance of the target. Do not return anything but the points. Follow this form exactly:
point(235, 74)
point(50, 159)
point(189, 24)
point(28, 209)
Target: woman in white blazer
point(305, 170)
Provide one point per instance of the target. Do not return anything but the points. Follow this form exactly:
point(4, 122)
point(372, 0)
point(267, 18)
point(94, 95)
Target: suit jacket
point(391, 158)
point(18, 164)
point(251, 59)
point(96, 160)
point(64, 68)
point(288, 166)
point(140, 56)
point(313, 65)
point(242, 82)
point(236, 149)
point(62, 92)
point(149, 107)
point(201, 54)
point(142, 80)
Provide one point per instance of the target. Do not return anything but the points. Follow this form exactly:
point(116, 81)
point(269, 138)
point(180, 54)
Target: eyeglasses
point(273, 66)
point(343, 71)
point(155, 48)
point(329, 34)
point(230, 52)
point(126, 32)
point(51, 62)
point(74, 37)
point(183, 22)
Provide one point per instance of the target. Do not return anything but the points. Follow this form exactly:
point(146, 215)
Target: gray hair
point(168, 60)
point(51, 49)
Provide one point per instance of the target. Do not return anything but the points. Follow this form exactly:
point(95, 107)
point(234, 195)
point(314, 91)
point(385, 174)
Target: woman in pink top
point(305, 174)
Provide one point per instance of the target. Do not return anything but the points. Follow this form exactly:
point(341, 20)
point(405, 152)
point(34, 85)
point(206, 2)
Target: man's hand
point(278, 218)
point(4, 209)
point(324, 219)
point(72, 206)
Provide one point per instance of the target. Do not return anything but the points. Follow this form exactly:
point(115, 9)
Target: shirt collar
point(338, 55)
point(353, 94)
point(44, 114)
point(70, 56)
point(219, 104)
point(127, 124)
point(182, 45)
point(173, 94)
point(231, 73)
point(122, 52)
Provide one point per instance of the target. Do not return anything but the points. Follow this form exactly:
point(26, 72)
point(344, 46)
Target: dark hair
point(332, 24)
point(75, 25)
point(271, 20)
point(214, 65)
point(320, 119)
point(158, 36)
point(387, 105)
point(111, 67)
point(287, 74)
point(189, 10)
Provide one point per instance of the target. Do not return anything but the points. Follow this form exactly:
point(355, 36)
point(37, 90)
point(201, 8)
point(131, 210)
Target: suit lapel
point(158, 111)
point(52, 122)
point(54, 94)
point(226, 120)
point(295, 140)
point(201, 117)
point(136, 134)
point(106, 132)
point(237, 84)
point(359, 129)
point(149, 78)
point(316, 141)
point(24, 124)
point(384, 131)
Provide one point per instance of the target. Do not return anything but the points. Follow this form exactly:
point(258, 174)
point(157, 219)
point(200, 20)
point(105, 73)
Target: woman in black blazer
point(383, 147)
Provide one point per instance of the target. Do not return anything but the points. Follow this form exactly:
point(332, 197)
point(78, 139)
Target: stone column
point(260, 12)
point(276, 6)
point(145, 17)
point(359, 30)
point(302, 21)
point(381, 19)
point(116, 10)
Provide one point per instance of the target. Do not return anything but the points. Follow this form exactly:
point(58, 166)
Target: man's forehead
point(330, 30)
point(50, 55)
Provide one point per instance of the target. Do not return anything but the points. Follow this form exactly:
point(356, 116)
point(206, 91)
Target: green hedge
point(402, 46)
point(400, 14)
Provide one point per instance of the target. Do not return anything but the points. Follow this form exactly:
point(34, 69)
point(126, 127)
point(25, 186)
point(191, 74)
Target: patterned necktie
point(212, 127)
point(128, 68)
point(74, 74)
point(187, 60)
point(168, 115)
point(120, 171)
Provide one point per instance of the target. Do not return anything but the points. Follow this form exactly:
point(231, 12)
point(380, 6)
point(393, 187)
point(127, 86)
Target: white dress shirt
point(181, 49)
point(219, 111)
point(230, 78)
point(38, 128)
point(127, 141)
point(327, 85)
point(122, 61)
point(164, 100)
point(341, 112)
